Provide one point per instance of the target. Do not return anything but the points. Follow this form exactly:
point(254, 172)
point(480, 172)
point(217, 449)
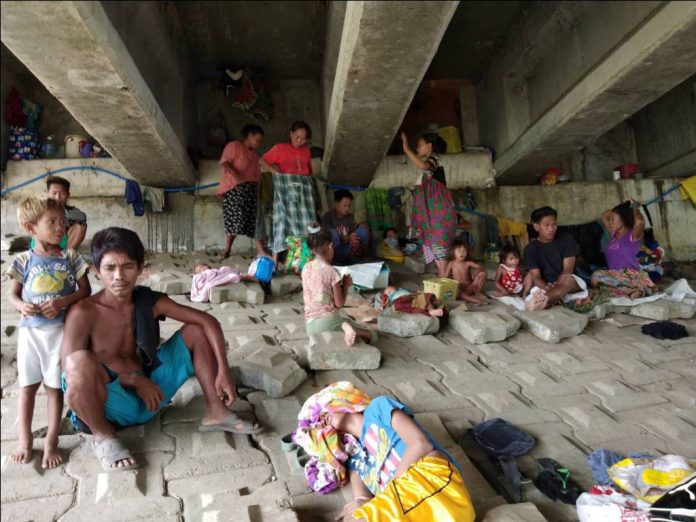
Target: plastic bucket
point(264, 269)
point(627, 170)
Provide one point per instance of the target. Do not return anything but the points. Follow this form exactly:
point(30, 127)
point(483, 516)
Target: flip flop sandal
point(230, 423)
point(287, 444)
point(301, 459)
point(111, 451)
point(554, 481)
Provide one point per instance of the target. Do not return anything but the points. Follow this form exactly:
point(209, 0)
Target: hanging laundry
point(378, 209)
point(155, 196)
point(248, 90)
point(293, 208)
point(687, 189)
point(134, 197)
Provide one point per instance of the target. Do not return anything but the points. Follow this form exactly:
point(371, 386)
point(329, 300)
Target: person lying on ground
point(350, 241)
point(411, 302)
point(116, 373)
point(46, 281)
point(550, 261)
point(396, 469)
point(324, 292)
point(460, 269)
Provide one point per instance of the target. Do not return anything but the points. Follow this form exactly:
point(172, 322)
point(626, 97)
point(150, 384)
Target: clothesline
point(96, 169)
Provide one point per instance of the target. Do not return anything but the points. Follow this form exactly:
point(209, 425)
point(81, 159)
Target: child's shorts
point(38, 354)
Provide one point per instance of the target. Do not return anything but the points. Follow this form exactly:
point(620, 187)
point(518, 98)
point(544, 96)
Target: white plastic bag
point(603, 508)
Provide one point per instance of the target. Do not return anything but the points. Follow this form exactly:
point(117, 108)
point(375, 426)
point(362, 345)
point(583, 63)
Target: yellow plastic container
point(445, 289)
point(396, 259)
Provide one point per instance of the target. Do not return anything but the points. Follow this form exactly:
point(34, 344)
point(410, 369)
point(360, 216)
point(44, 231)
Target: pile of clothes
point(639, 488)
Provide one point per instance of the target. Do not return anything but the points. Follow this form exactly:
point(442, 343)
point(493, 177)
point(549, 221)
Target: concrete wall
point(666, 133)
point(613, 148)
point(577, 203)
point(54, 118)
point(195, 221)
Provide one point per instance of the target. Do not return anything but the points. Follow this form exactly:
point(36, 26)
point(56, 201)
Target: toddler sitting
point(390, 245)
point(509, 279)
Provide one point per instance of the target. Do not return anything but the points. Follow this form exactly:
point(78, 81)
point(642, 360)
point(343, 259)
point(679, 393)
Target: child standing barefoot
point(45, 283)
point(324, 291)
point(509, 279)
point(460, 269)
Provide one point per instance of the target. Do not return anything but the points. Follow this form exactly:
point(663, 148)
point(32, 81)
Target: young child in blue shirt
point(46, 280)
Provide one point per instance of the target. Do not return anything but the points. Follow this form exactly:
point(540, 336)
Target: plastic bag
point(607, 508)
point(298, 254)
point(648, 479)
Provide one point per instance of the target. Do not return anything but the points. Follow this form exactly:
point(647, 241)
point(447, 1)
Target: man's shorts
point(124, 408)
point(38, 354)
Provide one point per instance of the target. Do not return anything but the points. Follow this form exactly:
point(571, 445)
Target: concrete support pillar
point(384, 54)
point(467, 106)
point(74, 50)
point(656, 50)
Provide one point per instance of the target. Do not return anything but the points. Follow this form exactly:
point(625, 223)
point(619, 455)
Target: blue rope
point(660, 196)
point(345, 187)
point(95, 169)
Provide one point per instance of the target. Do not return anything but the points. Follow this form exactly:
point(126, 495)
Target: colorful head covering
point(319, 439)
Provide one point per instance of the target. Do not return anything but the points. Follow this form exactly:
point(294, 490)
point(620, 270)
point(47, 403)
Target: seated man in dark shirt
point(550, 262)
point(350, 241)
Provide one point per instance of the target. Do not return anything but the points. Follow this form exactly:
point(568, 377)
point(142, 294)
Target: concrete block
point(265, 367)
point(553, 324)
point(328, 351)
point(667, 424)
point(280, 311)
point(407, 325)
point(290, 329)
point(512, 407)
point(170, 282)
point(498, 356)
point(250, 293)
point(593, 426)
point(208, 453)
point(186, 301)
point(285, 284)
point(681, 310)
point(484, 327)
point(417, 264)
point(537, 384)
point(423, 394)
point(562, 364)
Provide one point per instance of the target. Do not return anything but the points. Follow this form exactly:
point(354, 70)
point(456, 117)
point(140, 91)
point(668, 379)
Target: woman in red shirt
point(239, 187)
point(293, 157)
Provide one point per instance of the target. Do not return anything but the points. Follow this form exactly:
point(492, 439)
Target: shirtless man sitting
point(460, 268)
point(116, 373)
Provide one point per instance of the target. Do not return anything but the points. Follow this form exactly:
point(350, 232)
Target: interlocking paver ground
point(610, 386)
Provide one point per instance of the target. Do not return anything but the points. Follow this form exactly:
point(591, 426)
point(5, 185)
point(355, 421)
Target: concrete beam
point(654, 56)
point(386, 48)
point(74, 50)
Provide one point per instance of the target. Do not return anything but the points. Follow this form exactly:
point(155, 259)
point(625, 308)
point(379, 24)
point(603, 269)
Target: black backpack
point(504, 442)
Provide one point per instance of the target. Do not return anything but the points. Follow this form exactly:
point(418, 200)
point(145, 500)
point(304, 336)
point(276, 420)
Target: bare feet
point(438, 312)
point(536, 301)
point(349, 334)
point(23, 451)
point(636, 295)
point(51, 457)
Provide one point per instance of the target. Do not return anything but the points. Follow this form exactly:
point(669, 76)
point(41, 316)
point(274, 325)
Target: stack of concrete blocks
point(484, 327)
point(250, 293)
point(328, 351)
point(171, 282)
point(664, 310)
point(256, 362)
point(285, 284)
point(408, 325)
point(553, 324)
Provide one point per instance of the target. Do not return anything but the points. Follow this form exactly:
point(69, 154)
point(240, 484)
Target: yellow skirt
point(430, 490)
